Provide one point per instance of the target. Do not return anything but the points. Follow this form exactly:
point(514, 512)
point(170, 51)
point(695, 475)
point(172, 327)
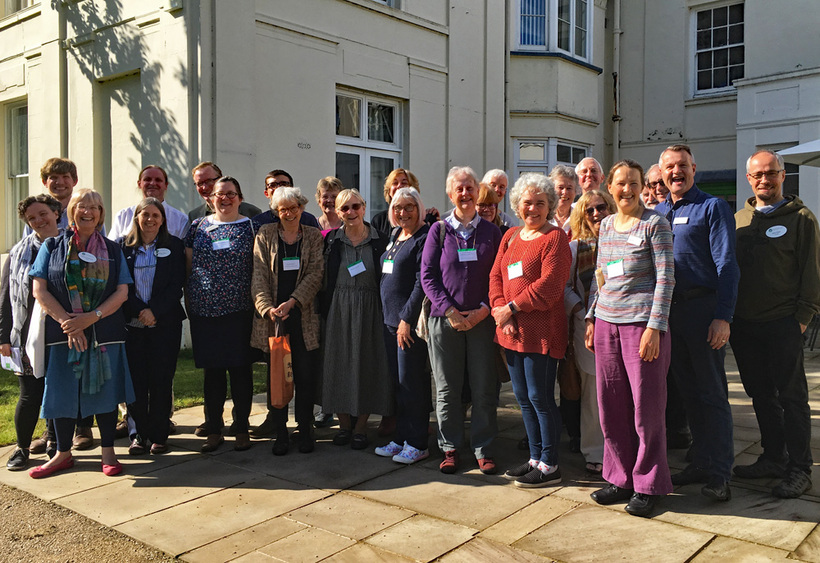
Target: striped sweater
point(639, 273)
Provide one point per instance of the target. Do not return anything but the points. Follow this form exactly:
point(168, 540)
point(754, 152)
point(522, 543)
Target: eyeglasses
point(91, 208)
point(600, 208)
point(353, 206)
point(487, 205)
point(770, 174)
point(288, 210)
point(206, 182)
point(282, 184)
point(223, 195)
point(409, 208)
point(654, 185)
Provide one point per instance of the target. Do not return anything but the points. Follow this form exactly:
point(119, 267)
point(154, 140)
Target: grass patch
point(187, 393)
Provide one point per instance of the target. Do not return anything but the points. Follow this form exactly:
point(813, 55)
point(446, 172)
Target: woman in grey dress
point(356, 381)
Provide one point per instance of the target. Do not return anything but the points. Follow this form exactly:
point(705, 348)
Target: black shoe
point(282, 443)
point(524, 444)
point(761, 469)
point(18, 460)
point(342, 437)
point(678, 439)
point(265, 430)
point(537, 478)
point(323, 419)
point(691, 474)
point(359, 441)
point(641, 505)
point(516, 472)
point(202, 430)
point(611, 494)
point(575, 444)
point(717, 489)
point(51, 449)
point(232, 430)
point(306, 440)
point(137, 446)
point(797, 483)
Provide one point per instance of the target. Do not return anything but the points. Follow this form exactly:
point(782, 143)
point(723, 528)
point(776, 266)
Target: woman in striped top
point(627, 328)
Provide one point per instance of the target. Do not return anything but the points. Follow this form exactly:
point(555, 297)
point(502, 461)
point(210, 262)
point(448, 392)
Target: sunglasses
point(353, 206)
point(600, 208)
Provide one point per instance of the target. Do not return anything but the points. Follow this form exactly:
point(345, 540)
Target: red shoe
point(111, 470)
point(450, 462)
point(42, 471)
point(486, 465)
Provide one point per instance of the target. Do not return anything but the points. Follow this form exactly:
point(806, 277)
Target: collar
point(456, 224)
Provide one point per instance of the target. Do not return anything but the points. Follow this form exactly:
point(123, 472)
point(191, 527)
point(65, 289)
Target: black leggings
point(106, 422)
point(28, 408)
point(216, 391)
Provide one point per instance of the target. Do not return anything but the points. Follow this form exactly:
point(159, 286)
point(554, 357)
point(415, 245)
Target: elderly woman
point(81, 282)
point(355, 380)
point(627, 327)
point(219, 256)
point(402, 297)
point(487, 206)
point(287, 274)
point(565, 180)
point(455, 271)
point(40, 213)
point(586, 219)
point(398, 178)
point(156, 260)
point(326, 191)
point(526, 286)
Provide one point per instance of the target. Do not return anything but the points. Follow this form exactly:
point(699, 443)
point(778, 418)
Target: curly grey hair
point(287, 193)
point(536, 184)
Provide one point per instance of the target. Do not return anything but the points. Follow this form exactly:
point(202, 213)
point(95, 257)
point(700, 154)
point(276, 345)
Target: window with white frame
point(8, 7)
point(555, 25)
point(719, 51)
point(368, 144)
point(541, 155)
point(16, 150)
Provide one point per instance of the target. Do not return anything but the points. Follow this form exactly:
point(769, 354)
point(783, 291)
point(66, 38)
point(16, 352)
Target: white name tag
point(290, 264)
point(515, 270)
point(387, 267)
point(356, 268)
point(222, 244)
point(87, 257)
point(680, 220)
point(776, 232)
point(467, 255)
point(633, 240)
point(162, 252)
point(615, 268)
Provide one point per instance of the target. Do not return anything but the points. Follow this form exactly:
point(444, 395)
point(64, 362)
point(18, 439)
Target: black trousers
point(27, 412)
point(770, 359)
point(152, 359)
point(305, 363)
point(216, 391)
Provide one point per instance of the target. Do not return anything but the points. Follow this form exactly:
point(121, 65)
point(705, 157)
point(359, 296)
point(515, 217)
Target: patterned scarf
point(585, 264)
point(86, 282)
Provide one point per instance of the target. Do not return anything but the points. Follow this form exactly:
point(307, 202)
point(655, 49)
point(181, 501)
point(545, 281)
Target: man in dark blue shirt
point(279, 179)
point(706, 278)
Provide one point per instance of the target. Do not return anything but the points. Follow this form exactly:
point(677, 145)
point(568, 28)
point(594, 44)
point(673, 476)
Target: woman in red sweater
point(527, 297)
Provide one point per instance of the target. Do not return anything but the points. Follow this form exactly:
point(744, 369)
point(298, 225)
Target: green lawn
point(187, 392)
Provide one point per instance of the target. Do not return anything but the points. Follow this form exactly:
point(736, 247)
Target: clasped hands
point(465, 320)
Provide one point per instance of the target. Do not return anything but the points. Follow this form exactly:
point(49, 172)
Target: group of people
point(585, 285)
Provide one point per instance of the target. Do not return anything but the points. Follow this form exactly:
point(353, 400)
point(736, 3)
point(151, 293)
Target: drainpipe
point(62, 78)
point(616, 89)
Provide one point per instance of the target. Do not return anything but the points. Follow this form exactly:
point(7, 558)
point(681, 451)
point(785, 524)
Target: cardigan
point(264, 283)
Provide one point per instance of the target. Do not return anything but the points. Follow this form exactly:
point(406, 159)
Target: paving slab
point(590, 533)
point(729, 549)
point(528, 519)
point(363, 553)
point(482, 550)
point(243, 542)
point(422, 538)
point(310, 544)
point(809, 550)
point(218, 515)
point(349, 516)
point(456, 498)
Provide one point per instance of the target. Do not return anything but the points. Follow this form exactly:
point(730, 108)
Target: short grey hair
point(287, 193)
point(494, 173)
point(598, 164)
point(780, 163)
point(536, 184)
point(458, 171)
point(648, 170)
point(406, 193)
point(564, 171)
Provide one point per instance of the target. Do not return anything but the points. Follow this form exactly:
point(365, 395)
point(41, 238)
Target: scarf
point(86, 282)
point(585, 265)
point(20, 259)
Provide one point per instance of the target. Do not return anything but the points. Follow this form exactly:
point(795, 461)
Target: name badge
point(222, 244)
point(356, 268)
point(87, 257)
point(615, 268)
point(387, 267)
point(633, 240)
point(467, 255)
point(211, 228)
point(776, 232)
point(680, 220)
point(515, 270)
point(162, 252)
point(290, 264)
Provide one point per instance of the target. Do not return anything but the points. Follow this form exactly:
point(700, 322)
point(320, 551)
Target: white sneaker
point(409, 455)
point(389, 450)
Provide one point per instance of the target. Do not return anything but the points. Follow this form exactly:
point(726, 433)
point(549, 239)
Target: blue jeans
point(533, 381)
point(408, 368)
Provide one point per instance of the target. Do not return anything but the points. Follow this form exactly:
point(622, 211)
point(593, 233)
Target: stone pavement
point(337, 504)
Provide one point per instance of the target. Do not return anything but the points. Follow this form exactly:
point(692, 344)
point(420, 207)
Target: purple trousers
point(632, 405)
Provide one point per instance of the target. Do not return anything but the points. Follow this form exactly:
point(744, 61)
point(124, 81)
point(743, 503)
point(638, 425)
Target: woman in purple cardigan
point(455, 274)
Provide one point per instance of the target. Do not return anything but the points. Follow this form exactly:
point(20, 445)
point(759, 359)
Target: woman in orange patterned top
point(527, 298)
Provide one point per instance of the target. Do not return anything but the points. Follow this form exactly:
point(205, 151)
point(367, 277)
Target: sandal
point(342, 437)
point(594, 468)
point(359, 442)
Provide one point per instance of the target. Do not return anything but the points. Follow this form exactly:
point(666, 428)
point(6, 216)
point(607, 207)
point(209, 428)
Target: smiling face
point(351, 211)
point(407, 213)
point(533, 209)
point(149, 221)
point(499, 185)
point(152, 182)
point(290, 213)
point(204, 179)
point(487, 211)
point(594, 213)
point(400, 181)
point(626, 190)
point(86, 216)
point(60, 186)
point(42, 220)
point(678, 172)
point(766, 178)
point(565, 188)
point(463, 193)
point(225, 200)
point(590, 175)
point(327, 200)
point(655, 183)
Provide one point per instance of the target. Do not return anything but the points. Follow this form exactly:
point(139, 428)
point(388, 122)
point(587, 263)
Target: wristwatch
point(98, 313)
point(512, 307)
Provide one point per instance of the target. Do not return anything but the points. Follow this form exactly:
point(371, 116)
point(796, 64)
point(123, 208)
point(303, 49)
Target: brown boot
point(212, 443)
point(38, 446)
point(83, 438)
